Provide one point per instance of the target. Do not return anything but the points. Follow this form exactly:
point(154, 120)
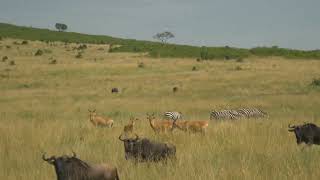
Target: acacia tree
point(61, 27)
point(164, 36)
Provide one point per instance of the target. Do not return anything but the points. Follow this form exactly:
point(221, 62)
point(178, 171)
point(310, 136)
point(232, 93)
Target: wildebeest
point(145, 150)
point(114, 90)
point(72, 168)
point(308, 133)
point(175, 89)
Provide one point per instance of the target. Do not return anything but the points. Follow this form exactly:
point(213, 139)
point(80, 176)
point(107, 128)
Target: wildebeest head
point(129, 145)
point(68, 167)
point(297, 131)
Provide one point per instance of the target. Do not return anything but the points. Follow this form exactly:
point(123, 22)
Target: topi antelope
point(98, 120)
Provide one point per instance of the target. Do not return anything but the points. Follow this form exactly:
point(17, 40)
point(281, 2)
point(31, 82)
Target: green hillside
point(154, 49)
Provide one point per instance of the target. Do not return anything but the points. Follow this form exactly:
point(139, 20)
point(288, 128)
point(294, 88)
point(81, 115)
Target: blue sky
point(240, 23)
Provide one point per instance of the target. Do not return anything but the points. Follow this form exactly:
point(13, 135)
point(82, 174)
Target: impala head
point(92, 113)
point(133, 119)
point(150, 116)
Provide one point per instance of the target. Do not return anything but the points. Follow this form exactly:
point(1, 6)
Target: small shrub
point(79, 55)
point(238, 68)
point(24, 42)
point(100, 49)
point(315, 82)
point(16, 43)
point(240, 60)
point(0, 38)
point(39, 52)
point(54, 61)
point(48, 51)
point(194, 68)
point(227, 58)
point(4, 58)
point(141, 65)
point(8, 47)
point(82, 47)
point(12, 63)
point(198, 60)
point(204, 53)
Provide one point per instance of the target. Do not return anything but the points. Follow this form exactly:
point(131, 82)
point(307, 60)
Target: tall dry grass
point(43, 108)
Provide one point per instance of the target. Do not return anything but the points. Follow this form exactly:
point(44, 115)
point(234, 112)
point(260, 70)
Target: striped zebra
point(223, 114)
point(251, 112)
point(173, 115)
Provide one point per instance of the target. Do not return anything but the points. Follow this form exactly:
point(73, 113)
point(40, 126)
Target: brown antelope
point(191, 126)
point(98, 120)
point(129, 127)
point(159, 125)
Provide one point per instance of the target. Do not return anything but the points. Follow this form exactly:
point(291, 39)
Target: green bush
point(315, 82)
point(24, 42)
point(79, 55)
point(39, 52)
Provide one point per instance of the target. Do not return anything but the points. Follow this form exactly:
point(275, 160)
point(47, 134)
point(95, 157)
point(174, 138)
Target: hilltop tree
point(164, 36)
point(61, 27)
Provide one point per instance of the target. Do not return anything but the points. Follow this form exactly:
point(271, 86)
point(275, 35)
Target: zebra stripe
point(237, 114)
point(173, 115)
point(223, 114)
point(251, 112)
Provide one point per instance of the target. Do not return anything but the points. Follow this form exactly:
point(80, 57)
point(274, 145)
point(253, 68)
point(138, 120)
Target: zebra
point(173, 115)
point(224, 114)
point(251, 112)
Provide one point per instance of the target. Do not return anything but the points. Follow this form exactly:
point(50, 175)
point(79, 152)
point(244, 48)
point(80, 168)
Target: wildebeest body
point(146, 150)
point(308, 133)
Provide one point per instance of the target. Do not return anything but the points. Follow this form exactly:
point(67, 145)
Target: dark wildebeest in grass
point(174, 89)
point(308, 133)
point(72, 168)
point(142, 150)
point(114, 90)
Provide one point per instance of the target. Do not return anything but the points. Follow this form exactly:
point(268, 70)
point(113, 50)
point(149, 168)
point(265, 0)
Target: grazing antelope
point(98, 120)
point(129, 127)
point(159, 126)
point(191, 126)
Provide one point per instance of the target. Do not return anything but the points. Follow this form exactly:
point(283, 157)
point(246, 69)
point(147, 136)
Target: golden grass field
point(44, 108)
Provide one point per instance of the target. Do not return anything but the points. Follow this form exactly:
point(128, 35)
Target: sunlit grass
point(44, 108)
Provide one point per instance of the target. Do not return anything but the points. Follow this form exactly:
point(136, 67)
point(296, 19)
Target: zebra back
point(251, 112)
point(173, 115)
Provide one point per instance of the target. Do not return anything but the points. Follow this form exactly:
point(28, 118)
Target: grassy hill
point(154, 49)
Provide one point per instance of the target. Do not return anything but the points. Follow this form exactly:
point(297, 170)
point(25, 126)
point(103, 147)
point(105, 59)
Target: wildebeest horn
point(49, 160)
point(120, 138)
point(137, 137)
point(289, 126)
point(74, 154)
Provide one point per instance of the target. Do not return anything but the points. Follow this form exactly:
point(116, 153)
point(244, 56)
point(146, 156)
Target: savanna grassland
point(44, 108)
